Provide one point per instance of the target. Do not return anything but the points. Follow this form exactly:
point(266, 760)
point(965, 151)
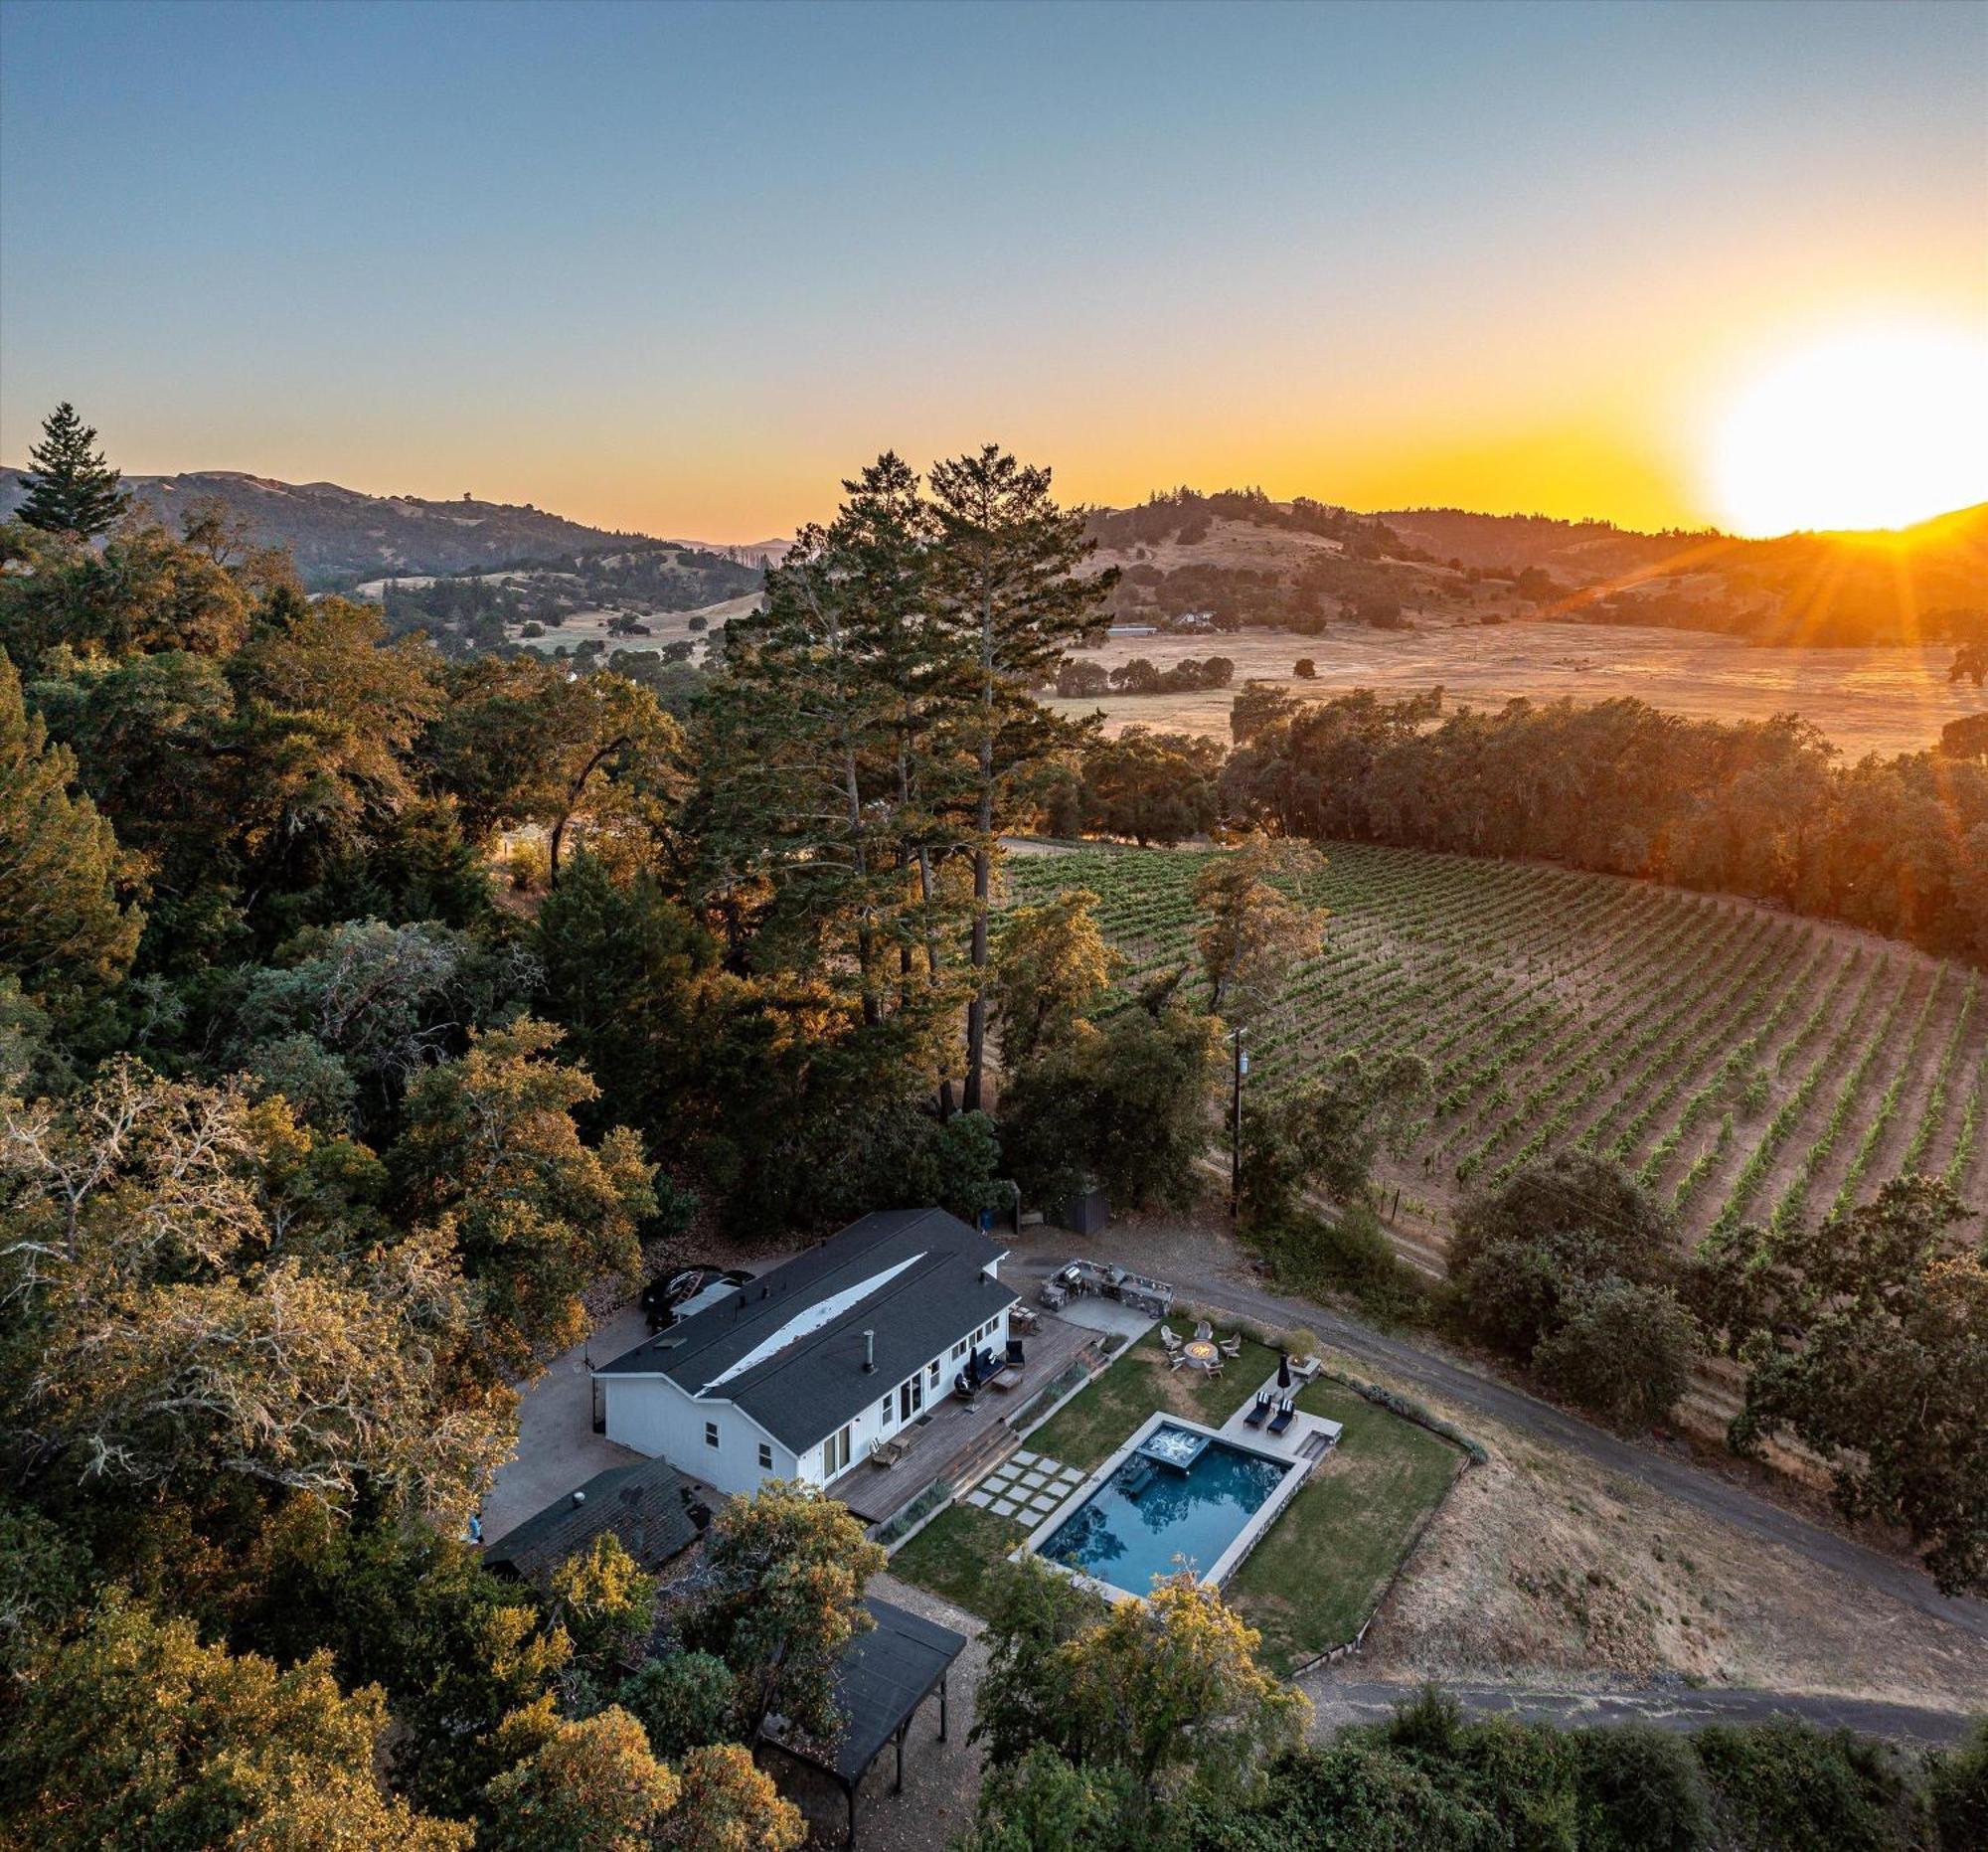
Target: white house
point(794, 1374)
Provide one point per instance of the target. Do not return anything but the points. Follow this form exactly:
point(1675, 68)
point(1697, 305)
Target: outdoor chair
point(1169, 1339)
point(1232, 1346)
point(1258, 1412)
point(1284, 1416)
point(1203, 1331)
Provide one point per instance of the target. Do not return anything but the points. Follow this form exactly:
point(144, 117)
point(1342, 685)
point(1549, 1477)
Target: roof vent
point(869, 1352)
point(580, 1498)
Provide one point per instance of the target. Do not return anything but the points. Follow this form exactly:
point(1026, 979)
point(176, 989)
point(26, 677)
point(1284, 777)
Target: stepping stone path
point(1026, 1487)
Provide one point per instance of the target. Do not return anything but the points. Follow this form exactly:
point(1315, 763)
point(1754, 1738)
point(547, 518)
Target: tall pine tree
point(1008, 590)
point(70, 488)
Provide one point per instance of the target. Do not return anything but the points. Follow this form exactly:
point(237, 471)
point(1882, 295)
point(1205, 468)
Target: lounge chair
point(1169, 1339)
point(1285, 1415)
point(1231, 1346)
point(1203, 1331)
point(1258, 1412)
point(887, 1453)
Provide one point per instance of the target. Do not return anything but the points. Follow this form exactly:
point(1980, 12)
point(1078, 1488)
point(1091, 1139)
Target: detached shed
point(646, 1505)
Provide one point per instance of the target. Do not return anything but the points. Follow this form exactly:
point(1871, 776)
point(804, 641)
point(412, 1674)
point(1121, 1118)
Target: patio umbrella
point(1283, 1369)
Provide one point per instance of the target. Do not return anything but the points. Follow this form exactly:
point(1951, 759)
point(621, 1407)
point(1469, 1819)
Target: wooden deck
point(953, 1430)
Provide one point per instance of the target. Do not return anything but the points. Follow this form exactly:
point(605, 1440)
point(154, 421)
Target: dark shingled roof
point(643, 1505)
point(815, 1382)
point(884, 1674)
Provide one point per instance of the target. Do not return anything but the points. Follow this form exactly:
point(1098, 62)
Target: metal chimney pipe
point(869, 1352)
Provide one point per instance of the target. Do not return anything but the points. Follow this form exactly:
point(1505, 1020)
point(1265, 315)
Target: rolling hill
point(339, 535)
point(1236, 557)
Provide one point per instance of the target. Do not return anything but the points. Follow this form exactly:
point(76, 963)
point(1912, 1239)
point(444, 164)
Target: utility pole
point(1235, 1036)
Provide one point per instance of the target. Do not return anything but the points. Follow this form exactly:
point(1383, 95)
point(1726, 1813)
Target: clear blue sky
point(683, 266)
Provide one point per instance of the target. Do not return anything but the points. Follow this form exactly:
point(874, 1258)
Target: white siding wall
point(653, 1416)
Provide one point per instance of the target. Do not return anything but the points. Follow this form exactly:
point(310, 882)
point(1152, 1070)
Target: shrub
point(1958, 1792)
point(1784, 1787)
point(683, 1701)
point(1624, 1350)
point(527, 866)
point(1641, 1789)
point(1352, 1255)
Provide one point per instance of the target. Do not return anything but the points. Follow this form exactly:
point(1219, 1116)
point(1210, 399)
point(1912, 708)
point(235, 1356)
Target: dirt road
point(1670, 1706)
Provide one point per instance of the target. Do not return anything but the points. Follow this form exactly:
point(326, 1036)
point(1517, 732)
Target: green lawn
point(1090, 1426)
point(1313, 1579)
point(1317, 1575)
point(955, 1553)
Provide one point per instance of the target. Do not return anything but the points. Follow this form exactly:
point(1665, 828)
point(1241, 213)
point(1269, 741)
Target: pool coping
point(1295, 1473)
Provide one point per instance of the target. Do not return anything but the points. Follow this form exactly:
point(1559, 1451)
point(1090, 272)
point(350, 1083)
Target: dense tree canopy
point(1750, 807)
point(1866, 1338)
point(132, 1732)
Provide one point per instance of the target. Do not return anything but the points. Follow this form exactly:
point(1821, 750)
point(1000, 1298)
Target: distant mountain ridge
point(1186, 551)
point(338, 534)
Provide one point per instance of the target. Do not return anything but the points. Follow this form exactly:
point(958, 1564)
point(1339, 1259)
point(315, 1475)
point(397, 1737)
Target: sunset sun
point(1869, 430)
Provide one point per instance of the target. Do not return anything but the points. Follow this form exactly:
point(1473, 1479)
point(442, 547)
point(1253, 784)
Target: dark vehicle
point(688, 1289)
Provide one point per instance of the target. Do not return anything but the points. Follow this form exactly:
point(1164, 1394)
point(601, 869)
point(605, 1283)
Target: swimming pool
point(1148, 1509)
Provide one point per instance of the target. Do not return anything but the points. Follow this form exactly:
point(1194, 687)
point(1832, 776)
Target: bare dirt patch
point(1540, 1561)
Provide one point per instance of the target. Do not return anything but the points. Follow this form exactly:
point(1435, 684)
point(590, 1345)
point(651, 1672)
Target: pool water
point(1147, 1514)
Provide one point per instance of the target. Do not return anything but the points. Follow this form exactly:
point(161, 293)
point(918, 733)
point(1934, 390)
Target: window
point(835, 1453)
point(960, 1349)
point(765, 1458)
point(883, 1409)
point(931, 1373)
point(711, 1434)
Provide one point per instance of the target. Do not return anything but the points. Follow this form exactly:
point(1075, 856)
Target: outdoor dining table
point(1201, 1353)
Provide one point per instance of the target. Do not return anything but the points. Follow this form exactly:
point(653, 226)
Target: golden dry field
point(1865, 700)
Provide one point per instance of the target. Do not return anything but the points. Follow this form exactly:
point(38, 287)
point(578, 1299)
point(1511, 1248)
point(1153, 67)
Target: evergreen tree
point(1010, 593)
point(62, 926)
point(70, 488)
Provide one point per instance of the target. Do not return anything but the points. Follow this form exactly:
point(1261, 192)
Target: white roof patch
point(820, 1314)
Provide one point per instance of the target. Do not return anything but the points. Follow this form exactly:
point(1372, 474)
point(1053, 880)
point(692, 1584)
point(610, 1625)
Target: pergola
point(885, 1675)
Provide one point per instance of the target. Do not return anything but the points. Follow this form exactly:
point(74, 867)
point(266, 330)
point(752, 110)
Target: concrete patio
point(558, 1448)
